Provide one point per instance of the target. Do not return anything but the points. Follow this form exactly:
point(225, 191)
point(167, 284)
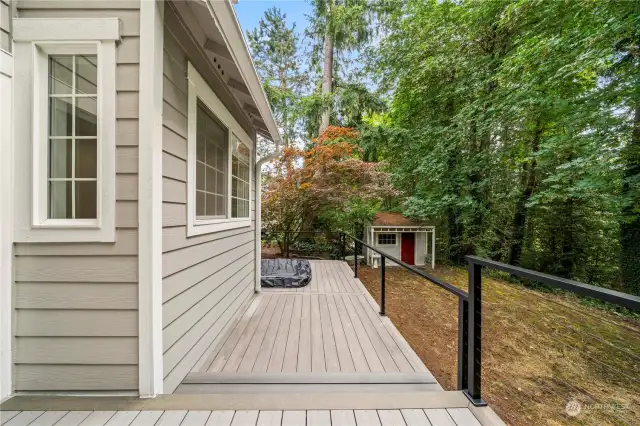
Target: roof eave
point(227, 22)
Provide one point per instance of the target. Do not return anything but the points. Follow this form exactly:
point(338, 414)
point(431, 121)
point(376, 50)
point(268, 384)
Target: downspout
point(258, 226)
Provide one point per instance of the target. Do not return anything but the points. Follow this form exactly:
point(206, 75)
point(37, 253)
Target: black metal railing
point(470, 307)
point(470, 303)
point(306, 244)
point(467, 364)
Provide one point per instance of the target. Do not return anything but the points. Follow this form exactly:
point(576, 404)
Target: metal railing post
point(342, 248)
point(383, 287)
point(474, 349)
point(355, 258)
point(463, 343)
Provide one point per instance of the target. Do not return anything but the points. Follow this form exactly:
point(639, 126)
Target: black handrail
point(474, 337)
point(628, 301)
point(465, 359)
point(437, 281)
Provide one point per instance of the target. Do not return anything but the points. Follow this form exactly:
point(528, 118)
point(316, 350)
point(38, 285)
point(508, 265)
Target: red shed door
point(408, 248)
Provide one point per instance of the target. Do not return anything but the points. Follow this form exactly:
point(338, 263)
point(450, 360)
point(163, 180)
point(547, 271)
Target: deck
point(317, 355)
point(416, 417)
point(332, 325)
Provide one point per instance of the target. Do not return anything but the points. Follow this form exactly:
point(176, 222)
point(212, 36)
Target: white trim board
point(6, 225)
point(63, 29)
point(150, 200)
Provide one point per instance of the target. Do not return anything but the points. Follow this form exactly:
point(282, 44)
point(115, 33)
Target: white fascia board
point(227, 22)
point(61, 29)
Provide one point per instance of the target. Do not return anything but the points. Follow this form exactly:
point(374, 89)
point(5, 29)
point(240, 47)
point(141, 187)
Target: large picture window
point(73, 133)
point(219, 162)
point(211, 164)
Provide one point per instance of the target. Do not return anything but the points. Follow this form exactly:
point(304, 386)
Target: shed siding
point(76, 320)
point(396, 251)
point(206, 278)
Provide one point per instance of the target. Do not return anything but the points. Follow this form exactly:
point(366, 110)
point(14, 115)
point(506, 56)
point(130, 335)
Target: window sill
point(66, 233)
point(68, 224)
point(209, 228)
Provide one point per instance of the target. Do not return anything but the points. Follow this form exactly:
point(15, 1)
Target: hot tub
point(285, 273)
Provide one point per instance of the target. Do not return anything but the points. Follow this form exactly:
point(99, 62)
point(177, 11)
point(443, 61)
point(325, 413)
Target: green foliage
point(275, 54)
point(511, 127)
point(349, 217)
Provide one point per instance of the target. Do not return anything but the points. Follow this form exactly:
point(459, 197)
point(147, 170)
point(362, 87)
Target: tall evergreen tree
point(337, 28)
point(275, 52)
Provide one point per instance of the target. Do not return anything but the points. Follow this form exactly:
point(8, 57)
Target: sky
point(250, 11)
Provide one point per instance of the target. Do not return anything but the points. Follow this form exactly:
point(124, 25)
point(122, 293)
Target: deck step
point(309, 378)
point(261, 401)
point(305, 388)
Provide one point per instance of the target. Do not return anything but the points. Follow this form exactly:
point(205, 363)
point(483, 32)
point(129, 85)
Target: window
point(68, 117)
point(211, 163)
point(219, 162)
point(73, 133)
point(386, 239)
point(240, 175)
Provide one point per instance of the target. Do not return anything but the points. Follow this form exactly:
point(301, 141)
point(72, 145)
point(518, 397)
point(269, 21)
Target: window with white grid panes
point(211, 166)
point(73, 137)
point(240, 179)
point(386, 239)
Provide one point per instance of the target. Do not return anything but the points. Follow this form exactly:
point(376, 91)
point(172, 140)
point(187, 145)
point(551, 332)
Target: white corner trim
point(150, 365)
point(6, 225)
point(227, 22)
point(64, 29)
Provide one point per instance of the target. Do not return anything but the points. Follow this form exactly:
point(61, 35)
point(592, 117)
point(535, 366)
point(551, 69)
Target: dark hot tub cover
point(288, 273)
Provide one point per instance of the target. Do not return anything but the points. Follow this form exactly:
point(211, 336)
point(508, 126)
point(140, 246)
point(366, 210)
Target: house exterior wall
point(75, 317)
point(206, 278)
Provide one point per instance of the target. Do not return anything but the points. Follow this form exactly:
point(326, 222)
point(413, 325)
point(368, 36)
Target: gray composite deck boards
point(330, 326)
point(416, 417)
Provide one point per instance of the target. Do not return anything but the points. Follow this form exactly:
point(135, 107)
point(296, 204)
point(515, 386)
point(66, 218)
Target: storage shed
point(400, 237)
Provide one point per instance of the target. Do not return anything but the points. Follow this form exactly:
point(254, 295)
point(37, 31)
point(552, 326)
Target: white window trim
point(386, 245)
point(32, 224)
point(199, 89)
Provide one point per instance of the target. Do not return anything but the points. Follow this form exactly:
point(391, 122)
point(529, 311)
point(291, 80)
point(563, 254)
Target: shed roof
point(392, 219)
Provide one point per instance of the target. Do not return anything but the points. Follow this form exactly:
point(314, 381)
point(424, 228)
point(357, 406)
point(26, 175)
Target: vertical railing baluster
point(475, 334)
point(463, 343)
point(355, 258)
point(383, 287)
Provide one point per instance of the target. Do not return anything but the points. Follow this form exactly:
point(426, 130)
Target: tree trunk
point(630, 226)
point(327, 78)
point(528, 186)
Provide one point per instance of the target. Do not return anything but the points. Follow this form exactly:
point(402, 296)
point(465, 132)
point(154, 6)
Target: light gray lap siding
point(76, 319)
point(206, 278)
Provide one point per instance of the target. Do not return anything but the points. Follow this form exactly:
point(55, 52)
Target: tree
point(339, 26)
point(328, 181)
point(511, 125)
point(275, 53)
